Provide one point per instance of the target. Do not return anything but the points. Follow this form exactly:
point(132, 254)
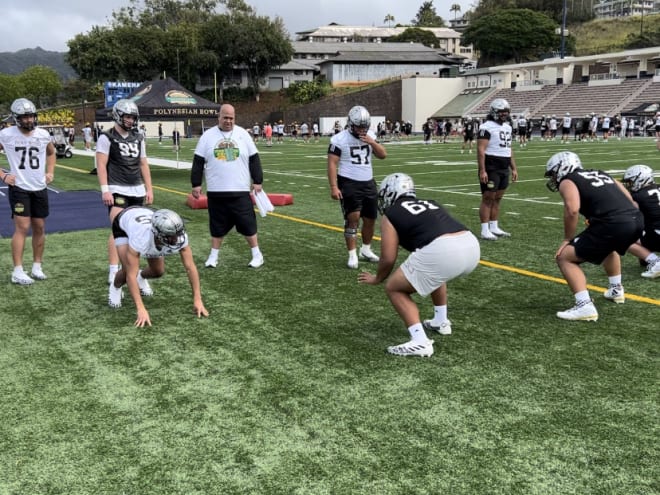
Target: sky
point(50, 24)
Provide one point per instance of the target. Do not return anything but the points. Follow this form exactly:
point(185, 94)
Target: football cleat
point(145, 288)
point(652, 271)
point(352, 262)
point(368, 254)
point(615, 293)
point(211, 261)
point(580, 312)
point(115, 296)
point(443, 328)
point(21, 278)
point(488, 236)
point(38, 274)
point(500, 233)
point(111, 276)
point(256, 261)
point(412, 348)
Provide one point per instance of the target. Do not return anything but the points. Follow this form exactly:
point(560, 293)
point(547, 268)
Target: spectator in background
point(87, 136)
point(160, 133)
point(469, 128)
point(27, 186)
point(566, 127)
point(227, 158)
point(176, 140)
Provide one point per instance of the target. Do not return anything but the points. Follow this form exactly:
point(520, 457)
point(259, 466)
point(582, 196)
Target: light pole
point(563, 29)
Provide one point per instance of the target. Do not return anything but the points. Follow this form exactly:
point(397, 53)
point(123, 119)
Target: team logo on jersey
point(119, 201)
point(226, 150)
point(490, 185)
point(19, 208)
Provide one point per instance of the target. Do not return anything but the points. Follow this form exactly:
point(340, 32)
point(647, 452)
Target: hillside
point(609, 35)
point(13, 63)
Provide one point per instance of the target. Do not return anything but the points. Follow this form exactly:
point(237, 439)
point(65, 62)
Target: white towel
point(263, 203)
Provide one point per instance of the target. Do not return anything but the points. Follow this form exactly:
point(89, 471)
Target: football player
point(351, 178)
point(614, 224)
point(143, 232)
point(441, 249)
point(638, 179)
point(496, 167)
point(26, 144)
point(123, 171)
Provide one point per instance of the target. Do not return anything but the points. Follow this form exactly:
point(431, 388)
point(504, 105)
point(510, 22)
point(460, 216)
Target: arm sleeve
point(256, 172)
point(197, 171)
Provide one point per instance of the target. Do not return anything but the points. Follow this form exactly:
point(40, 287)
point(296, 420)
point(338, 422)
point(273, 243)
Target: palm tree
point(389, 19)
point(455, 8)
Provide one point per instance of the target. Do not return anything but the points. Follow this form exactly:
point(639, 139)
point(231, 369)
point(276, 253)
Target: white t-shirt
point(27, 156)
point(354, 155)
point(227, 156)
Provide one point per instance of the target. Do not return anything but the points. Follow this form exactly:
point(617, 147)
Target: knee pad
point(350, 233)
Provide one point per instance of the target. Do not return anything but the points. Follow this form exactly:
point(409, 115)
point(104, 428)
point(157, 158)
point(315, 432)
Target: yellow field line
point(489, 264)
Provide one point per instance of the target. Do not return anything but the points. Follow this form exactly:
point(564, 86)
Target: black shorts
point(597, 241)
point(33, 204)
point(468, 136)
point(359, 196)
point(650, 240)
point(121, 201)
point(497, 180)
point(565, 131)
point(227, 212)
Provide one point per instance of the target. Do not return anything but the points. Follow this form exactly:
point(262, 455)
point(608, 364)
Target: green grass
point(286, 388)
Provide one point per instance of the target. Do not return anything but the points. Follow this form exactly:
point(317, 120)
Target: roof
point(338, 30)
point(331, 47)
point(390, 57)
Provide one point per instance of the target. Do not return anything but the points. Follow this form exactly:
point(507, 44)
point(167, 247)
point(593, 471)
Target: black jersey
point(124, 158)
point(469, 129)
point(418, 222)
point(648, 199)
point(600, 197)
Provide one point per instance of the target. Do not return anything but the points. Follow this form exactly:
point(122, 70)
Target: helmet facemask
point(168, 229)
point(359, 121)
point(392, 188)
point(21, 111)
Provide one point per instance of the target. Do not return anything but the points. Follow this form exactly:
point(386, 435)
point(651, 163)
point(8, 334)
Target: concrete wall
point(422, 97)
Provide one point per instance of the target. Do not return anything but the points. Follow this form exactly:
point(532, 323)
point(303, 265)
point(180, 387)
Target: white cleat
point(38, 274)
point(115, 296)
point(211, 262)
point(580, 312)
point(352, 262)
point(412, 348)
point(256, 262)
point(368, 254)
point(615, 294)
point(111, 277)
point(21, 278)
point(652, 271)
point(500, 233)
point(488, 236)
point(443, 328)
point(145, 288)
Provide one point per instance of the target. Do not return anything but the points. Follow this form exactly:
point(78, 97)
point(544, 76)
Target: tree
point(11, 88)
point(455, 8)
point(427, 16)
point(517, 35)
point(416, 35)
point(389, 19)
point(41, 84)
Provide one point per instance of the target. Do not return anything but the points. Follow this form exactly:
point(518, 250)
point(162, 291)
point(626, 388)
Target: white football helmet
point(392, 188)
point(559, 166)
point(122, 108)
point(168, 228)
point(22, 107)
point(359, 120)
point(638, 177)
point(499, 110)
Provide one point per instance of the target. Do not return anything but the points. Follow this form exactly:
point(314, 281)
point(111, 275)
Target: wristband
point(105, 188)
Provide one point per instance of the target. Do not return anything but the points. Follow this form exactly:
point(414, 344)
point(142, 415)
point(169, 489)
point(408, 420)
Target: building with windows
point(626, 8)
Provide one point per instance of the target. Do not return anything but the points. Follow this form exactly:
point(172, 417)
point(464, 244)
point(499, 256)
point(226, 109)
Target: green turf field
point(287, 389)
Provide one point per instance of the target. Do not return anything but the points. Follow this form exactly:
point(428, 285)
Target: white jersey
point(354, 155)
point(499, 138)
point(280, 129)
point(606, 122)
point(27, 156)
point(315, 128)
point(256, 130)
point(227, 156)
point(552, 125)
point(594, 124)
point(566, 123)
point(136, 222)
point(522, 123)
point(304, 129)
